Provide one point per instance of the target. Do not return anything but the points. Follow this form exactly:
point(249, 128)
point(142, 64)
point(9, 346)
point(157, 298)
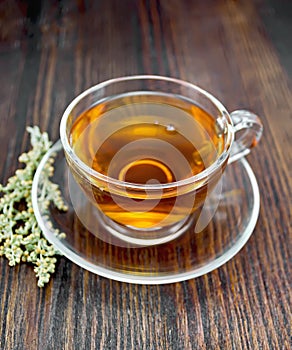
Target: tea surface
point(140, 138)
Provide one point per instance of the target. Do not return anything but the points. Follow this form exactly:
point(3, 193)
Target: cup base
point(156, 236)
point(111, 231)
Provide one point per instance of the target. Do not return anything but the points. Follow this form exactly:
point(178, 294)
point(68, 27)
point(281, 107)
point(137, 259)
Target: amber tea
point(146, 139)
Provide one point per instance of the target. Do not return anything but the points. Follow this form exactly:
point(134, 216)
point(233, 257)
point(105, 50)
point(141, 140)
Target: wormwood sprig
point(21, 238)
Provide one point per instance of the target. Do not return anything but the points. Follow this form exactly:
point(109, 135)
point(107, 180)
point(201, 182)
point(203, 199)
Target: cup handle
point(252, 129)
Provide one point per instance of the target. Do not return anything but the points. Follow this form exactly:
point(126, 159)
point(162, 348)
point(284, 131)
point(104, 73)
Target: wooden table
point(239, 50)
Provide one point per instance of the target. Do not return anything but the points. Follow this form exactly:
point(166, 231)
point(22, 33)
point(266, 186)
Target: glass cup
point(148, 150)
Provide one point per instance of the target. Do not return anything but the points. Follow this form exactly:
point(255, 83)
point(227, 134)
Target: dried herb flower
point(21, 238)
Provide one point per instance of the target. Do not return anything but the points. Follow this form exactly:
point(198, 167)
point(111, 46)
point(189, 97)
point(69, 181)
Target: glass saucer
point(190, 255)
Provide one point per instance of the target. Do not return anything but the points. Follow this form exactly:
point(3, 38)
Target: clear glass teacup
point(148, 150)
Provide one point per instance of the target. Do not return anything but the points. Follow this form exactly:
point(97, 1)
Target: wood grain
point(52, 50)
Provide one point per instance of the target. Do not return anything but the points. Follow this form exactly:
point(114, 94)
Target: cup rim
point(190, 180)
